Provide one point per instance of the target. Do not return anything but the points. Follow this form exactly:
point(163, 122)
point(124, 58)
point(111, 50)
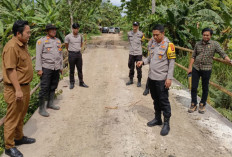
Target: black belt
point(23, 84)
point(74, 51)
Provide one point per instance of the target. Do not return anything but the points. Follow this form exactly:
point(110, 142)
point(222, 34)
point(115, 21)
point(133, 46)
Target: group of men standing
point(18, 73)
point(161, 60)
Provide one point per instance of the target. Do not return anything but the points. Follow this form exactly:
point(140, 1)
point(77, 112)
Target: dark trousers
point(159, 95)
point(147, 84)
point(131, 64)
point(48, 82)
point(75, 59)
point(205, 76)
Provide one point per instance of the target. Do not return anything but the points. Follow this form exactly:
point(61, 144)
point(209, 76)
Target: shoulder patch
point(39, 42)
point(143, 37)
point(171, 53)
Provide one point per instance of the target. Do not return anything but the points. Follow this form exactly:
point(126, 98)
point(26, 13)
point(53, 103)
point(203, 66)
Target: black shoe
point(13, 152)
point(84, 85)
point(146, 92)
point(129, 82)
point(139, 84)
point(25, 140)
point(166, 128)
point(154, 122)
point(71, 86)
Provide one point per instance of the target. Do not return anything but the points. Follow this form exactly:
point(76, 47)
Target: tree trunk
point(71, 14)
point(153, 7)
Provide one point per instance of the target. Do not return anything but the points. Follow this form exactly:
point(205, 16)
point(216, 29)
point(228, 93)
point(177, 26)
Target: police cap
point(135, 23)
point(50, 26)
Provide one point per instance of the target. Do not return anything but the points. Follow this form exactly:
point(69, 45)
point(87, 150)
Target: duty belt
point(74, 51)
point(23, 84)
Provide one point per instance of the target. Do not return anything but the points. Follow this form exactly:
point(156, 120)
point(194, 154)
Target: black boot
point(156, 121)
point(50, 102)
point(83, 85)
point(42, 108)
point(166, 128)
point(130, 82)
point(146, 92)
point(147, 88)
point(139, 82)
point(71, 86)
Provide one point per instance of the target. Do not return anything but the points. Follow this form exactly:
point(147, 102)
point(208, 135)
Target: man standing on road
point(49, 65)
point(201, 66)
point(17, 75)
point(161, 69)
point(73, 44)
point(135, 39)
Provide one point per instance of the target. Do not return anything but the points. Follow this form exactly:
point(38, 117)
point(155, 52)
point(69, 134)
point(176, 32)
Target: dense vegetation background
point(184, 20)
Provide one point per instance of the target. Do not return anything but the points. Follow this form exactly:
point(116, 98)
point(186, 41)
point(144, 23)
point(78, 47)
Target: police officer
point(73, 43)
point(150, 47)
point(135, 39)
point(17, 75)
point(49, 65)
point(161, 61)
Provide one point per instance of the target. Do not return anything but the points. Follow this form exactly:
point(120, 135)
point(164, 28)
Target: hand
point(190, 70)
point(19, 95)
point(40, 73)
point(61, 72)
point(168, 83)
point(139, 63)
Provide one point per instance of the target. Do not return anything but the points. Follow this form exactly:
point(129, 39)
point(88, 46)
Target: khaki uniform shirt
point(15, 56)
point(49, 54)
point(204, 52)
point(161, 68)
point(135, 42)
point(74, 42)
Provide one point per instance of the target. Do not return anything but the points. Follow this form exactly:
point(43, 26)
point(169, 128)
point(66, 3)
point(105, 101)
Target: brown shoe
point(192, 108)
point(201, 108)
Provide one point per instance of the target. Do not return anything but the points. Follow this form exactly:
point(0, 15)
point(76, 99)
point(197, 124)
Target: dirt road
point(109, 118)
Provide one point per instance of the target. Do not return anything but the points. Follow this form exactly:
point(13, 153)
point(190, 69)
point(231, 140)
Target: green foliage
point(183, 19)
point(89, 14)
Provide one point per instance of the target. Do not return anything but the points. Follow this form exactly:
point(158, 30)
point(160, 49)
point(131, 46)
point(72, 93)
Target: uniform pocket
point(9, 94)
point(161, 55)
point(23, 60)
point(47, 47)
point(59, 47)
